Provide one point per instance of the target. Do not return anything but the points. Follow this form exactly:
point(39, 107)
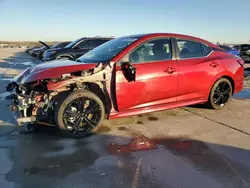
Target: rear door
point(197, 69)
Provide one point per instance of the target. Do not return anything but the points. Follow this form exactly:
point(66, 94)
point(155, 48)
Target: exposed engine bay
point(35, 101)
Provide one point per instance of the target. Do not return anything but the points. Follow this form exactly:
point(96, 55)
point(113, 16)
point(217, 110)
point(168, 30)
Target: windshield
point(70, 45)
point(107, 50)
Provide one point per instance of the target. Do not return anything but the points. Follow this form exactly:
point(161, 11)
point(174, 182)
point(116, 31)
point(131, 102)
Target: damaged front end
point(34, 100)
point(30, 103)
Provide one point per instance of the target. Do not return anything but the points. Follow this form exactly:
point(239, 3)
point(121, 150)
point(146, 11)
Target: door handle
point(214, 64)
point(170, 70)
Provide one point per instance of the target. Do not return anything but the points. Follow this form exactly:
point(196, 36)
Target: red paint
point(55, 69)
point(155, 88)
point(152, 84)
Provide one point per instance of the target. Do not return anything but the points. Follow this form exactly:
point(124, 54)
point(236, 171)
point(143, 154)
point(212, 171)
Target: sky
point(57, 20)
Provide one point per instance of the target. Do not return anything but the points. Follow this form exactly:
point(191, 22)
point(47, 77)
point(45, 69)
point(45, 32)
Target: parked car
point(38, 52)
point(60, 45)
point(237, 47)
point(75, 49)
point(31, 48)
point(230, 50)
point(244, 51)
point(126, 76)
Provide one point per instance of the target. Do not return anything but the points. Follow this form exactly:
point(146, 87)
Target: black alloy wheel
point(220, 93)
point(80, 114)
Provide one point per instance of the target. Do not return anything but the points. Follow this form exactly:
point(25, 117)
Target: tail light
point(241, 62)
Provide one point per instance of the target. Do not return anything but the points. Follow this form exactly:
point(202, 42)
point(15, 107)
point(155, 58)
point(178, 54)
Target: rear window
point(205, 49)
point(189, 49)
point(192, 49)
point(100, 42)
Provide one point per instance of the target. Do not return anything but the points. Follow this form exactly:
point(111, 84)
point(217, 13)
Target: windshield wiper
point(78, 60)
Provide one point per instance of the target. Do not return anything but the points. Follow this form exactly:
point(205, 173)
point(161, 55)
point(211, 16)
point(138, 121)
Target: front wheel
point(64, 58)
point(79, 114)
point(220, 94)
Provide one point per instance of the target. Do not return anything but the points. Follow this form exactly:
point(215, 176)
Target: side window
point(189, 49)
point(100, 42)
point(91, 44)
point(154, 50)
point(83, 44)
point(205, 49)
point(94, 43)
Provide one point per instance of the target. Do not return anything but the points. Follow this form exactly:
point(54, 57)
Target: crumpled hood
point(51, 69)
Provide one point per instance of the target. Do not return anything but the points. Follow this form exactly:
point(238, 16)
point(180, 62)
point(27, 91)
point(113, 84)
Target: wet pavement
point(171, 149)
point(45, 159)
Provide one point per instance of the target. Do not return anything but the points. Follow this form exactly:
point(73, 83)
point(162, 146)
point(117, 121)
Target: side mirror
point(129, 71)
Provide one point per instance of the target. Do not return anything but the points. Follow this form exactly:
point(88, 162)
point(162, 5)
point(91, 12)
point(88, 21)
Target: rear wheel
point(64, 58)
point(220, 94)
point(79, 114)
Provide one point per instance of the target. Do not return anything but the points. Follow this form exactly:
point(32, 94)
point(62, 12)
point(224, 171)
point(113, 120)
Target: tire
point(214, 96)
point(64, 103)
point(64, 58)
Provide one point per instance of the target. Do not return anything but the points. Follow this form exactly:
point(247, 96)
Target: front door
point(156, 76)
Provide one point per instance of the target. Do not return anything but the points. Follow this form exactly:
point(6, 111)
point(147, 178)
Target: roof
point(96, 38)
point(151, 35)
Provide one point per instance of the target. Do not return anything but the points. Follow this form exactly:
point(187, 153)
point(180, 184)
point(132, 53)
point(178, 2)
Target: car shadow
point(162, 161)
point(199, 106)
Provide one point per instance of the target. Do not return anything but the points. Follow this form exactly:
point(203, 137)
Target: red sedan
point(126, 76)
